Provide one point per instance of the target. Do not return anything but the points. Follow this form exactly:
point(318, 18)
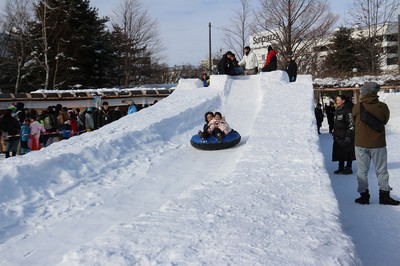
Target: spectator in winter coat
point(370, 144)
point(106, 115)
point(66, 130)
point(20, 113)
point(132, 107)
point(291, 69)
point(81, 121)
point(237, 70)
point(222, 124)
point(205, 79)
point(36, 130)
point(249, 62)
point(63, 115)
point(319, 117)
point(89, 121)
point(271, 63)
point(116, 114)
point(51, 124)
point(343, 136)
point(74, 123)
point(11, 127)
point(25, 132)
point(330, 115)
point(225, 65)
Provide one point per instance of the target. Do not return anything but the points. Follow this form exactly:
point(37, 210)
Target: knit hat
point(370, 87)
point(12, 108)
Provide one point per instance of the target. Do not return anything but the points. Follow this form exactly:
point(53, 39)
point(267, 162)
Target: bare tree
point(296, 26)
point(140, 36)
point(41, 56)
point(17, 16)
point(236, 34)
point(374, 16)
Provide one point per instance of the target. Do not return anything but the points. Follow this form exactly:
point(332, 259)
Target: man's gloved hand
point(347, 140)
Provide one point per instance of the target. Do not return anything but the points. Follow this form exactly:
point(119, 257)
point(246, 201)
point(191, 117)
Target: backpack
point(48, 123)
point(371, 120)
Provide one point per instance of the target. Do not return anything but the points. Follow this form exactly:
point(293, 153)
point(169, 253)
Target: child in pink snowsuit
point(221, 123)
point(36, 130)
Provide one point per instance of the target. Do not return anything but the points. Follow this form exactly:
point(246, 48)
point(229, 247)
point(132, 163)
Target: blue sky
point(183, 24)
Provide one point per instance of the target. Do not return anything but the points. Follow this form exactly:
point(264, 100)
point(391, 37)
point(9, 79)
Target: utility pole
point(209, 48)
point(398, 43)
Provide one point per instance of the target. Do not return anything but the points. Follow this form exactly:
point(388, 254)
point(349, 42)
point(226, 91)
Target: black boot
point(219, 137)
point(201, 135)
point(385, 199)
point(339, 171)
point(347, 171)
point(364, 199)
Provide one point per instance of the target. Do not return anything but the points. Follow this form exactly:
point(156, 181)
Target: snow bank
point(190, 84)
point(354, 81)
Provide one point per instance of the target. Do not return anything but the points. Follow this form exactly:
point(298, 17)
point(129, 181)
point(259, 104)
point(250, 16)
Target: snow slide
point(136, 193)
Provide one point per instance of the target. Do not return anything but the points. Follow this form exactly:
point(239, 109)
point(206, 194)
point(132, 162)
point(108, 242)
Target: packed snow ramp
point(136, 193)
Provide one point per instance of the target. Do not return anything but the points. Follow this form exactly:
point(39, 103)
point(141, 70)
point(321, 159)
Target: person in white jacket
point(249, 62)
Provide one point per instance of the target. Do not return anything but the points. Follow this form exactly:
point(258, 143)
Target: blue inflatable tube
point(212, 143)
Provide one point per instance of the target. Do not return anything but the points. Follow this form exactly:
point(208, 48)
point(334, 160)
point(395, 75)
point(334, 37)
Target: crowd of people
point(359, 135)
point(23, 130)
point(248, 65)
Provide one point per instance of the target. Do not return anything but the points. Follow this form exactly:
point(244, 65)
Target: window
point(391, 61)
point(391, 49)
point(391, 38)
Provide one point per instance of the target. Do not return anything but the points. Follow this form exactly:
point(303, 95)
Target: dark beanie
point(269, 48)
point(370, 87)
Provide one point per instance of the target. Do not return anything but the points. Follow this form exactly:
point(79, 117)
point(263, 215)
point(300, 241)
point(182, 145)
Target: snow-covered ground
point(356, 81)
point(136, 193)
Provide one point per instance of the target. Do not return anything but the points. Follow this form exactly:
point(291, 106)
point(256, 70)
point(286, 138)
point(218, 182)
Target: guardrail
point(384, 88)
point(38, 96)
point(84, 98)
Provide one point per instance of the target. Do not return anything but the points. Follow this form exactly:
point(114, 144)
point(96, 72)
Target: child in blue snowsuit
point(25, 132)
point(66, 130)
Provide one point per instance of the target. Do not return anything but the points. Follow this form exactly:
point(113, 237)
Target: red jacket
point(74, 126)
point(271, 54)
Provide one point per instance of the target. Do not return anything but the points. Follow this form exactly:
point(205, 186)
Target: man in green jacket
point(370, 144)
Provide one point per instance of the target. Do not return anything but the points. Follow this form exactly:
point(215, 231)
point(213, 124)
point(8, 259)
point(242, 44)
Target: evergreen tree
point(342, 58)
point(362, 56)
point(348, 51)
point(68, 42)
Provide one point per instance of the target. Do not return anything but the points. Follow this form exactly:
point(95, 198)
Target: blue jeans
point(11, 146)
point(379, 159)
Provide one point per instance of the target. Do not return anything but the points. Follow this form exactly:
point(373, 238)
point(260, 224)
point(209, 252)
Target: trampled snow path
point(374, 229)
point(136, 192)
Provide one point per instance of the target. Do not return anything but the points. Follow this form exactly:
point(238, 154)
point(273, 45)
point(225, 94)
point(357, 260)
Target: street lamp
point(209, 47)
